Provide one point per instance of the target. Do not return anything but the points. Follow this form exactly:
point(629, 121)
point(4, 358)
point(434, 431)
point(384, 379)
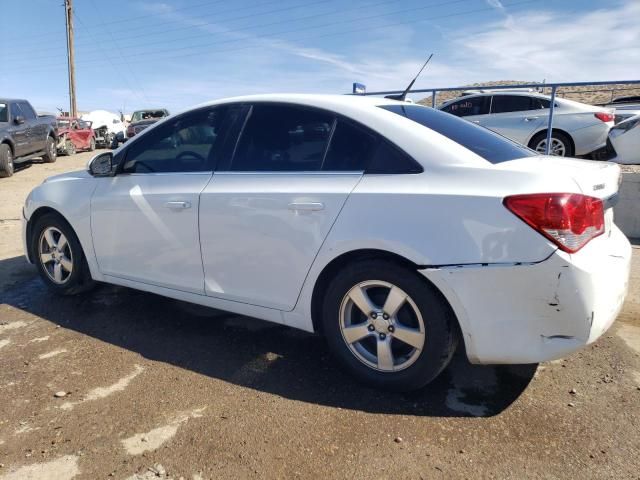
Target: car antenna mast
point(403, 95)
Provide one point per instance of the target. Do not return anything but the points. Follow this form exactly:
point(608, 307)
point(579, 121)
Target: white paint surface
point(63, 468)
point(12, 326)
point(154, 439)
point(631, 336)
point(39, 339)
point(51, 354)
point(103, 392)
point(4, 342)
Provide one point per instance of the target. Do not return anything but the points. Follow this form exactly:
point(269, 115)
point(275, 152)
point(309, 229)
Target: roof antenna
point(403, 95)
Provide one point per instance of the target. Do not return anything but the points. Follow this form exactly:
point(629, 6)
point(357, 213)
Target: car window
point(27, 111)
point(469, 106)
point(188, 143)
point(3, 112)
point(388, 158)
point(283, 138)
point(540, 103)
point(16, 111)
point(510, 103)
point(351, 148)
point(483, 142)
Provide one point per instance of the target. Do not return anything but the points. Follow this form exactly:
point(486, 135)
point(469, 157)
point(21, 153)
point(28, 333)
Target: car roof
point(492, 94)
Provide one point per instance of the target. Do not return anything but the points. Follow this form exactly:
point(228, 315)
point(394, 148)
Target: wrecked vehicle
point(106, 126)
point(73, 135)
point(397, 231)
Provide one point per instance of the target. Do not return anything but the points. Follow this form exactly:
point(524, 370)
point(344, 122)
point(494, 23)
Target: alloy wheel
point(382, 326)
point(557, 147)
point(55, 255)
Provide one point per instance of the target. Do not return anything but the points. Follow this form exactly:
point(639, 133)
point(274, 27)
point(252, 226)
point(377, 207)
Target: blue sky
point(177, 53)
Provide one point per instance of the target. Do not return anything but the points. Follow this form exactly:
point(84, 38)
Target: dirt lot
point(123, 384)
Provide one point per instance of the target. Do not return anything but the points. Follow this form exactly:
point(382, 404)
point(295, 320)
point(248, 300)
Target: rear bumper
point(591, 138)
point(537, 312)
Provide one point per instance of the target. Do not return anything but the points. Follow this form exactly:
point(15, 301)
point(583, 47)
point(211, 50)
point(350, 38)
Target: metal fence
point(553, 86)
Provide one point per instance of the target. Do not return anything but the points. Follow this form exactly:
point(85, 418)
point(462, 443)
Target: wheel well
point(555, 130)
point(33, 219)
point(6, 142)
point(338, 263)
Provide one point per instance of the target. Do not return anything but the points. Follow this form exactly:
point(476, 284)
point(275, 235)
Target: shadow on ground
point(259, 355)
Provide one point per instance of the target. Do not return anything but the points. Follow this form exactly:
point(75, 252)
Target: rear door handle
point(530, 119)
point(306, 206)
point(178, 205)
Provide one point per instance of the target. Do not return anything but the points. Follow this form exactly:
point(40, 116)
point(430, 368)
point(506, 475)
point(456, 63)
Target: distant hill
point(596, 94)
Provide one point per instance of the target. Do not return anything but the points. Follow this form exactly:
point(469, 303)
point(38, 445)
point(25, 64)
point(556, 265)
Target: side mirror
point(19, 120)
point(101, 165)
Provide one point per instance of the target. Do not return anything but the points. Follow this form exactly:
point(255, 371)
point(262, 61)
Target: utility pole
point(68, 8)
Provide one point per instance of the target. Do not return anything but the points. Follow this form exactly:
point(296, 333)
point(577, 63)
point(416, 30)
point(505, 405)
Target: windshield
point(63, 123)
point(147, 115)
point(483, 142)
point(3, 112)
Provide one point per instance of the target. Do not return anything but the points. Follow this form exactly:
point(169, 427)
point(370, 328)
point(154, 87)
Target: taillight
point(570, 220)
point(604, 117)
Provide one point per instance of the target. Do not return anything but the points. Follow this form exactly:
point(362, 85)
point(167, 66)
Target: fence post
point(433, 99)
point(549, 126)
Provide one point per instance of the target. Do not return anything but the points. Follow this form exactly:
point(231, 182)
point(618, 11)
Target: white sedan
point(624, 140)
point(395, 230)
point(578, 128)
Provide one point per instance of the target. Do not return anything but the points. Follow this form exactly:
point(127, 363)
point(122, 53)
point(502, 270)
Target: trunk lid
point(594, 178)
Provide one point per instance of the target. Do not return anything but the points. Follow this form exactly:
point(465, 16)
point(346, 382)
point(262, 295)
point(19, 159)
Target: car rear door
point(19, 132)
point(145, 219)
point(515, 116)
point(264, 216)
point(36, 131)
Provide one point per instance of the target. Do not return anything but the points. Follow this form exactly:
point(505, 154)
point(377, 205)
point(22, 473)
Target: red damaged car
point(74, 134)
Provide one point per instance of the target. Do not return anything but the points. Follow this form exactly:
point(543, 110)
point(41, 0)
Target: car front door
point(264, 217)
point(145, 219)
point(514, 116)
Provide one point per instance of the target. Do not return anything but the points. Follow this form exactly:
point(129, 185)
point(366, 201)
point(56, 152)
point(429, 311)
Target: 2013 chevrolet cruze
point(395, 230)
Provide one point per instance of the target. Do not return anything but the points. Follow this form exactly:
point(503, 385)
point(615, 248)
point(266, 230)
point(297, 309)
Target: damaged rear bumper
point(530, 313)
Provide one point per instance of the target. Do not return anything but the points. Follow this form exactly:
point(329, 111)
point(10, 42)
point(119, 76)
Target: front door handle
point(530, 119)
point(178, 205)
point(306, 206)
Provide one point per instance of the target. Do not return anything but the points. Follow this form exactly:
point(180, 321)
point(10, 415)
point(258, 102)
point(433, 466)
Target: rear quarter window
point(483, 142)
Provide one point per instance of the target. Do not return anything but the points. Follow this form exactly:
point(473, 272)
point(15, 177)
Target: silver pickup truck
point(24, 135)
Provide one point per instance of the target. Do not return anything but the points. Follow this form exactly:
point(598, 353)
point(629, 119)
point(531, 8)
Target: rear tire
point(92, 145)
point(6, 161)
point(560, 144)
point(58, 256)
point(394, 348)
point(51, 152)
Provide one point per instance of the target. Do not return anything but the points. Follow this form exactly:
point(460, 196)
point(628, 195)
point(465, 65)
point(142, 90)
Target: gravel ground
point(128, 385)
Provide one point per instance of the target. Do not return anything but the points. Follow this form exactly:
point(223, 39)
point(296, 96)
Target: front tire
point(51, 153)
point(388, 326)
point(58, 255)
point(92, 145)
point(6, 161)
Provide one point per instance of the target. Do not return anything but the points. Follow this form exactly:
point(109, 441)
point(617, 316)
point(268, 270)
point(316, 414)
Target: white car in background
point(578, 128)
point(624, 140)
point(395, 230)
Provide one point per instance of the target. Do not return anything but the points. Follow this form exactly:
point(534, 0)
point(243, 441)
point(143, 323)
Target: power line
point(267, 35)
point(357, 30)
point(190, 27)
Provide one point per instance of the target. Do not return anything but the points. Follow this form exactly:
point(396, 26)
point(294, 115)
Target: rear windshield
point(483, 142)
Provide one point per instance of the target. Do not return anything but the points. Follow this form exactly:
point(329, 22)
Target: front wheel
point(57, 253)
point(560, 144)
point(388, 326)
point(6, 161)
point(50, 151)
point(92, 144)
